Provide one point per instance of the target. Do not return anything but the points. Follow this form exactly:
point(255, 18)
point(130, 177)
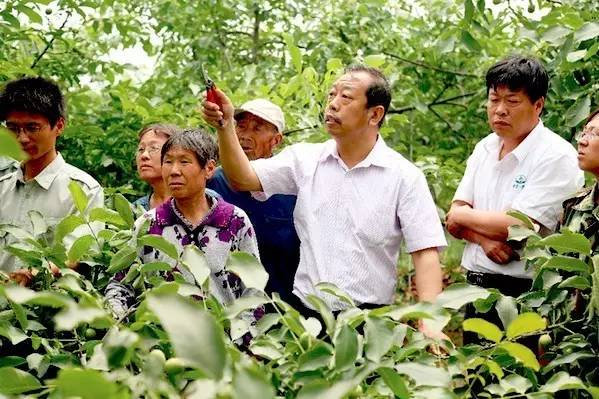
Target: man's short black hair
point(518, 72)
point(379, 91)
point(198, 141)
point(34, 95)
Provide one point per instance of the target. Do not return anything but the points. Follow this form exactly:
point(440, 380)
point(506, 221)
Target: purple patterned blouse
point(225, 229)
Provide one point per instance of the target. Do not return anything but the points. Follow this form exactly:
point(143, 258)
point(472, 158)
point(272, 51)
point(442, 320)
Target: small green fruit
point(90, 333)
point(48, 11)
point(545, 340)
point(158, 355)
point(496, 1)
point(531, 8)
point(174, 365)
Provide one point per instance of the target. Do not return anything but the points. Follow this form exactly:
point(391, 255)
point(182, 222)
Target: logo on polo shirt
point(519, 182)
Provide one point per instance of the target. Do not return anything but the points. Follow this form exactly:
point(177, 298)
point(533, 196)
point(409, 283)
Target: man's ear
point(376, 115)
point(276, 139)
point(59, 126)
point(210, 168)
point(539, 104)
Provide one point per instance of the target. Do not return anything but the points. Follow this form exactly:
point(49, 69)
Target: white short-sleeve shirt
point(535, 178)
point(351, 221)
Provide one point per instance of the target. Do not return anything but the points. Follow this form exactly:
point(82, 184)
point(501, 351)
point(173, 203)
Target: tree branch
point(287, 132)
point(50, 42)
point(256, 34)
point(432, 67)
point(445, 101)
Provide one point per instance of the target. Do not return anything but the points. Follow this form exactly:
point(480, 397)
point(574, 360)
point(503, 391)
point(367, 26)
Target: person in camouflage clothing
point(581, 212)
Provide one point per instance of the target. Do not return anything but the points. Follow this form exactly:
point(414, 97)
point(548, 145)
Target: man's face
point(183, 175)
point(346, 110)
point(257, 137)
point(34, 133)
point(511, 113)
point(588, 147)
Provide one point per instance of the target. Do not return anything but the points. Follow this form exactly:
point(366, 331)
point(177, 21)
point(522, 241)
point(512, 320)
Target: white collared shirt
point(47, 193)
point(351, 221)
point(535, 178)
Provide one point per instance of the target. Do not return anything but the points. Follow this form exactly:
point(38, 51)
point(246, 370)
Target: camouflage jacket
point(581, 215)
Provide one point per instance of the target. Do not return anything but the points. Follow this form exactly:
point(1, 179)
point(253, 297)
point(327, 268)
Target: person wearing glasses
point(147, 160)
point(580, 211)
point(521, 166)
point(33, 109)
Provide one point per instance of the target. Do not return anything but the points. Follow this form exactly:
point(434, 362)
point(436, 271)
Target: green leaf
point(395, 382)
point(567, 359)
point(379, 335)
point(78, 195)
point(9, 146)
point(294, 52)
point(31, 14)
point(523, 218)
point(494, 368)
point(123, 207)
point(457, 295)
point(566, 242)
point(589, 30)
point(521, 353)
point(506, 309)
point(87, 384)
point(346, 348)
point(483, 328)
point(470, 42)
point(524, 324)
point(80, 247)
point(108, 216)
point(578, 111)
point(334, 64)
point(562, 381)
point(17, 232)
point(567, 264)
point(326, 314)
point(195, 261)
point(13, 334)
point(122, 259)
point(38, 224)
point(10, 361)
point(578, 282)
point(22, 295)
point(159, 243)
point(74, 315)
point(375, 60)
point(249, 269)
point(251, 382)
point(66, 226)
point(575, 56)
point(423, 374)
point(14, 381)
point(468, 12)
point(514, 382)
point(336, 291)
point(194, 333)
point(555, 34)
point(244, 303)
point(317, 357)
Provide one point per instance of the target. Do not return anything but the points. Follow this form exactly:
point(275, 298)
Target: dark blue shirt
point(273, 223)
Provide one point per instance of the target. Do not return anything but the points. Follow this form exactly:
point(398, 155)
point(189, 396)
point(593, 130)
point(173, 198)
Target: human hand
point(434, 333)
point(498, 251)
point(453, 228)
point(215, 115)
point(23, 277)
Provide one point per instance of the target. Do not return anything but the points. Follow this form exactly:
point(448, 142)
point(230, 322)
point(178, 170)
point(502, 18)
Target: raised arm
point(235, 163)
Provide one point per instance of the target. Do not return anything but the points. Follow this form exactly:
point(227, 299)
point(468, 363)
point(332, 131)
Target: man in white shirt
point(521, 166)
point(34, 110)
point(356, 198)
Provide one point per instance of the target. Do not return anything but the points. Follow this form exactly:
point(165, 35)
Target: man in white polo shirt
point(357, 199)
point(521, 166)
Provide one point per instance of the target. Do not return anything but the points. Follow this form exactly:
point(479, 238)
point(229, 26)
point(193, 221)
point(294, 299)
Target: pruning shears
point(210, 89)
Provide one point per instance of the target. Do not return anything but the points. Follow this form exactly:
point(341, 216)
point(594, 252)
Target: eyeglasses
point(29, 128)
point(151, 150)
point(589, 134)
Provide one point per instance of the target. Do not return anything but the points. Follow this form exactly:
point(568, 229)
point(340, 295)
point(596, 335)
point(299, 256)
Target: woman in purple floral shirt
point(192, 216)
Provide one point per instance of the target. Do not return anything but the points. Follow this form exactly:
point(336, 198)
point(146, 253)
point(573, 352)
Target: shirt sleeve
point(279, 174)
point(549, 185)
point(418, 216)
point(465, 190)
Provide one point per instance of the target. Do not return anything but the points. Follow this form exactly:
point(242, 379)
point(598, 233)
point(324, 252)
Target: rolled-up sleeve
point(418, 217)
point(279, 174)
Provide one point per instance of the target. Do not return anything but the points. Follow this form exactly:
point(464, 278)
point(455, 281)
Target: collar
point(46, 176)
point(378, 156)
point(587, 203)
point(219, 215)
